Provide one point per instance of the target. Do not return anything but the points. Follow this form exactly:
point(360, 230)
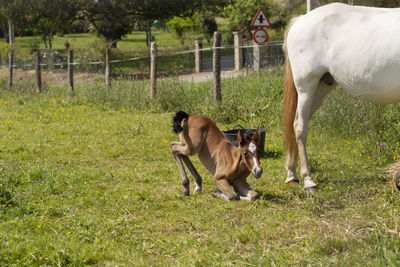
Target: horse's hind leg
point(308, 103)
point(196, 176)
point(177, 156)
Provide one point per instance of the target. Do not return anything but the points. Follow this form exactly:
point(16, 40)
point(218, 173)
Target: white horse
point(355, 47)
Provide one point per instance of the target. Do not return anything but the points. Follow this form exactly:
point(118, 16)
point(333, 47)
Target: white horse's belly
point(388, 97)
point(382, 87)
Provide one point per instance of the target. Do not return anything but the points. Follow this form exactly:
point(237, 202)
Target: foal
point(229, 164)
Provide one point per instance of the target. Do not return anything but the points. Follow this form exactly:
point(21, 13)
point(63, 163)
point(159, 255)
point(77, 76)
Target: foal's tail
point(176, 121)
point(289, 102)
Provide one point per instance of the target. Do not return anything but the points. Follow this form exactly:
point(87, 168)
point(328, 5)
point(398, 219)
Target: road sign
point(260, 36)
point(260, 20)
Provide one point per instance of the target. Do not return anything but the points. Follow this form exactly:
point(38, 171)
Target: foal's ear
point(256, 136)
point(240, 139)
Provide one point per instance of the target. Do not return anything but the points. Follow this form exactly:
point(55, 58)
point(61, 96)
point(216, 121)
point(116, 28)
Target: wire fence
point(168, 63)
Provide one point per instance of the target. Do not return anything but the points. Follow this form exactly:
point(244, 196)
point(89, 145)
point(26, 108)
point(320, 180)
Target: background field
point(89, 180)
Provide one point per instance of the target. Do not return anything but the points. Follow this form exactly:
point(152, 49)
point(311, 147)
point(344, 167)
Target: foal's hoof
point(398, 180)
point(217, 194)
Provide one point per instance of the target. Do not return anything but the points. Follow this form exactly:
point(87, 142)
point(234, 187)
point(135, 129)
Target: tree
point(181, 25)
point(150, 10)
point(47, 17)
point(207, 11)
point(240, 13)
point(4, 26)
point(111, 19)
point(13, 11)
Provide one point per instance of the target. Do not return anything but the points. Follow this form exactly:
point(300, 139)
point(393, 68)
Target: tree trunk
point(148, 33)
point(45, 41)
point(50, 43)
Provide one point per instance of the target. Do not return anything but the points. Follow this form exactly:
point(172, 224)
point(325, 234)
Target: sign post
point(260, 36)
point(260, 21)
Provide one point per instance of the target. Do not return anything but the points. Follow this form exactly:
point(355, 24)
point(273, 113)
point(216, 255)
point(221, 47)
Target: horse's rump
point(357, 47)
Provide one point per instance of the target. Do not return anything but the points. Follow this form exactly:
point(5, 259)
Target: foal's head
point(250, 153)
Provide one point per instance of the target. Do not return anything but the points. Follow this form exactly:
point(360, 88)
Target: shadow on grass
point(271, 154)
point(273, 198)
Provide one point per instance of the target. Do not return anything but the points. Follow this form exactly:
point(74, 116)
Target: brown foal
point(229, 164)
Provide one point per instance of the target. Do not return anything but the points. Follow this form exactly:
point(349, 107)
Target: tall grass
point(373, 128)
point(254, 101)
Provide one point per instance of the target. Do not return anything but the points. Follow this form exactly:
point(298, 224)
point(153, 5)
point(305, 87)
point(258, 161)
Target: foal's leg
point(197, 178)
point(177, 156)
point(227, 191)
point(244, 190)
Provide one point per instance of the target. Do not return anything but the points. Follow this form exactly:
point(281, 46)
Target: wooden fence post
point(217, 66)
point(351, 2)
point(11, 34)
point(198, 45)
point(108, 66)
point(37, 71)
point(153, 69)
point(238, 42)
point(257, 57)
point(311, 4)
point(70, 72)
point(10, 68)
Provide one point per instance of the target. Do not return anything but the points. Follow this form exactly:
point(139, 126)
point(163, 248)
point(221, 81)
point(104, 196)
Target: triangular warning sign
point(260, 20)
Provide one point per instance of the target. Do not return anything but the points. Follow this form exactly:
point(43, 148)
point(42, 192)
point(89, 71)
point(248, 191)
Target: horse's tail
point(177, 120)
point(289, 102)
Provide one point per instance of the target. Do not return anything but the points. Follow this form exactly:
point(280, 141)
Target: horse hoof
point(311, 190)
point(186, 193)
point(398, 180)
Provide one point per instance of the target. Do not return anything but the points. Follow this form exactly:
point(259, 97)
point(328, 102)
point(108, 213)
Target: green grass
point(89, 180)
point(134, 40)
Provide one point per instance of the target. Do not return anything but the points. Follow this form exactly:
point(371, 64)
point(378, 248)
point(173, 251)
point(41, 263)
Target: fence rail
point(231, 57)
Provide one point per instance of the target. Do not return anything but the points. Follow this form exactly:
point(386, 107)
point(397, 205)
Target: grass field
point(134, 40)
point(89, 180)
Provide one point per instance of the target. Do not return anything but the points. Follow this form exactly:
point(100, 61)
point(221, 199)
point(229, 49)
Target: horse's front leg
point(244, 190)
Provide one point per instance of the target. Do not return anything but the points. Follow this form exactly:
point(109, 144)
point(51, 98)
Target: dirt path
point(206, 76)
point(61, 77)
